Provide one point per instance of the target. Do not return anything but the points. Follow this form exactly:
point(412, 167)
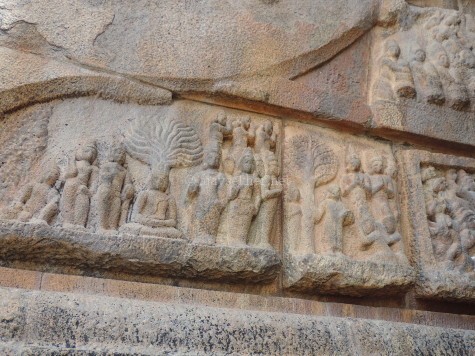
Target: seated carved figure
point(426, 79)
point(395, 75)
point(154, 211)
point(38, 201)
point(456, 93)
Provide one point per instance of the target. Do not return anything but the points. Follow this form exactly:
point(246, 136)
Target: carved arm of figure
point(25, 195)
point(273, 140)
point(390, 191)
point(234, 189)
point(139, 204)
point(128, 189)
point(71, 171)
point(431, 206)
point(268, 193)
point(171, 214)
point(346, 185)
point(366, 184)
point(349, 218)
point(52, 207)
point(257, 196)
point(193, 187)
point(320, 212)
point(93, 182)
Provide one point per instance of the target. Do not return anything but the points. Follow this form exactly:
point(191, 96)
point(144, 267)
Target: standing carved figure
point(79, 186)
point(293, 219)
point(335, 216)
point(271, 189)
point(244, 200)
point(219, 129)
point(113, 178)
point(357, 186)
point(241, 138)
point(38, 202)
point(395, 75)
point(426, 79)
point(208, 190)
point(265, 137)
point(382, 191)
point(445, 240)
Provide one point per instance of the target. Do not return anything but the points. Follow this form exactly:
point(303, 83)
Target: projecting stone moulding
point(341, 215)
point(184, 190)
point(440, 218)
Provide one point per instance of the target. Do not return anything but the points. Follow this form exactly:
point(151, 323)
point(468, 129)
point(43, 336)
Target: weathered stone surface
point(439, 225)
point(106, 325)
point(341, 221)
point(149, 256)
point(340, 275)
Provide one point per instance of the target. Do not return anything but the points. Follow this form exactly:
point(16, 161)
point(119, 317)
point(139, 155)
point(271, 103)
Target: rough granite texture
point(150, 256)
point(323, 274)
point(68, 324)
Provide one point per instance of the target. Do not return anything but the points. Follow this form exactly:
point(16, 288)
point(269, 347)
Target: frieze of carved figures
point(235, 196)
point(432, 61)
point(341, 217)
point(100, 195)
point(450, 205)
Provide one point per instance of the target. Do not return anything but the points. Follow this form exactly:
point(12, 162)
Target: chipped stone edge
point(314, 273)
point(151, 256)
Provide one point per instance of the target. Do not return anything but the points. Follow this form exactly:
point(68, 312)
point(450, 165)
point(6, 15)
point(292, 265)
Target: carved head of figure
point(333, 192)
point(268, 127)
point(432, 180)
point(293, 193)
point(467, 58)
point(392, 49)
point(87, 152)
point(247, 163)
point(159, 180)
point(246, 122)
point(353, 162)
point(51, 175)
point(221, 118)
point(451, 176)
point(465, 180)
point(420, 55)
point(260, 168)
point(376, 164)
point(443, 60)
point(440, 35)
point(117, 154)
point(212, 157)
point(228, 166)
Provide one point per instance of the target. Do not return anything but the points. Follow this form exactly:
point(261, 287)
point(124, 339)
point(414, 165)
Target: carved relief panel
point(440, 216)
point(341, 228)
point(428, 59)
point(189, 186)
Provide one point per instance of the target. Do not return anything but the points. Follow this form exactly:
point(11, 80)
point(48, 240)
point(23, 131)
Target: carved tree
point(317, 164)
point(163, 144)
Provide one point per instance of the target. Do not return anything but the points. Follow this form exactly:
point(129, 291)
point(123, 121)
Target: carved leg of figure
point(103, 205)
point(266, 222)
point(241, 215)
point(69, 204)
point(114, 213)
point(207, 224)
point(48, 213)
point(124, 213)
point(81, 208)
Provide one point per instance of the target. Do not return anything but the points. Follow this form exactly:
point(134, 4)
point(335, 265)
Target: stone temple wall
point(275, 177)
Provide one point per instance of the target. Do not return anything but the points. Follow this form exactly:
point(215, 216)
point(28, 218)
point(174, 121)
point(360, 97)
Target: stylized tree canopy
point(313, 158)
point(165, 143)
